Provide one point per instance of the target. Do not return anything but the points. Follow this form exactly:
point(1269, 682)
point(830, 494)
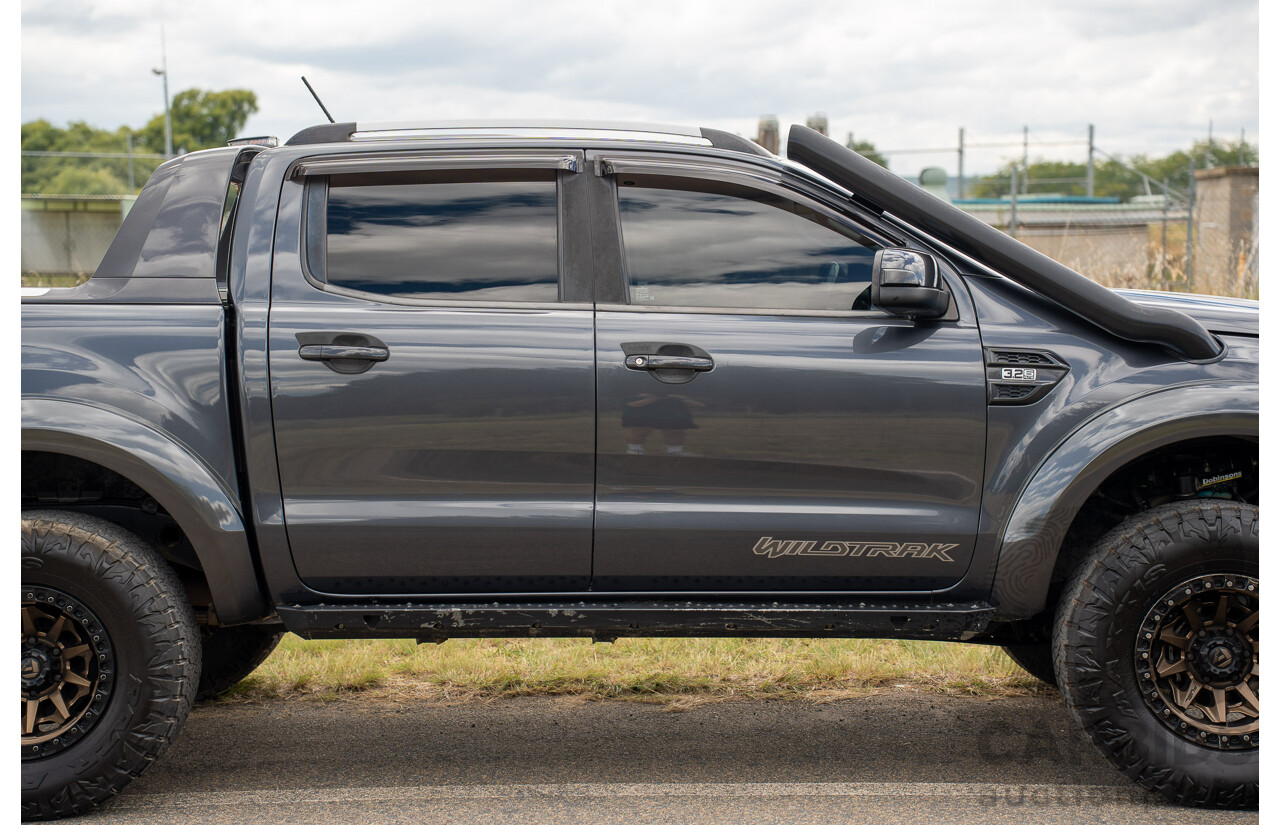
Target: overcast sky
point(1150, 74)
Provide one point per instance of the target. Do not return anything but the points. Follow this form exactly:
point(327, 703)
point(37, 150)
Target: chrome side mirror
point(905, 282)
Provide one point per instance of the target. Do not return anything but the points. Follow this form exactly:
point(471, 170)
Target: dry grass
point(679, 673)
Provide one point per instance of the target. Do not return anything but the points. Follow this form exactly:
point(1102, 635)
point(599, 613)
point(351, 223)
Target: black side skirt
point(606, 621)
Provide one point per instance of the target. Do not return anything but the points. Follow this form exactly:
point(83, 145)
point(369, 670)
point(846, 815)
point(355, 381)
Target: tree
point(1115, 177)
point(66, 175)
point(868, 150)
point(201, 120)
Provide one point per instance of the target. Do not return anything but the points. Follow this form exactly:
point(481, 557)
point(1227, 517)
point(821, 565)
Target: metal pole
point(1242, 147)
point(960, 155)
point(1208, 159)
point(1013, 202)
point(1026, 168)
point(1088, 173)
point(1191, 210)
point(129, 145)
point(163, 71)
point(1164, 232)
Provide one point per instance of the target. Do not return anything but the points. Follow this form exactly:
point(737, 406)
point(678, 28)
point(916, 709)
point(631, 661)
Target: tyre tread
point(156, 598)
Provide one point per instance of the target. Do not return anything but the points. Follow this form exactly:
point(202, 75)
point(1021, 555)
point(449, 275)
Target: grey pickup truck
point(441, 380)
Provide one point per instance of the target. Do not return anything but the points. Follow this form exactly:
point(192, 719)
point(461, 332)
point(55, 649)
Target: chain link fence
point(1206, 242)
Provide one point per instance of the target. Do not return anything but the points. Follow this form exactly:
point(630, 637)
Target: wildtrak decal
point(776, 548)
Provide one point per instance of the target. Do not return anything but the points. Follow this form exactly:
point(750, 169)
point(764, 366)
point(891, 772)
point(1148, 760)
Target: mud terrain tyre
point(232, 653)
point(1034, 658)
point(111, 660)
point(1155, 648)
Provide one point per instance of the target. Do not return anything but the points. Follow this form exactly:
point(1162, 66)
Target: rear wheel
point(1156, 650)
point(110, 661)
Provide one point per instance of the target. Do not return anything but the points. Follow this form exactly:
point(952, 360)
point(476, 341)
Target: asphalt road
point(882, 759)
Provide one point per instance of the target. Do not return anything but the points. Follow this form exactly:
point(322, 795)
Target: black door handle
point(335, 352)
point(347, 353)
point(669, 362)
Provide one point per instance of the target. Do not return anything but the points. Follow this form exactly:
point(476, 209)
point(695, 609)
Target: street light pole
point(163, 72)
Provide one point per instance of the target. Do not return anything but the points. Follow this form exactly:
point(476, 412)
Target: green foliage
point(79, 181)
point(77, 176)
point(868, 150)
point(1111, 178)
point(201, 120)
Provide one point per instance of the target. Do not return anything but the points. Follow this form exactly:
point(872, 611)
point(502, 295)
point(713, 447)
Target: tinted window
point(702, 244)
point(443, 237)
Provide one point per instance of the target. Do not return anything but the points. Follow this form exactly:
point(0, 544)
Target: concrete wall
point(1117, 256)
point(1225, 252)
point(67, 237)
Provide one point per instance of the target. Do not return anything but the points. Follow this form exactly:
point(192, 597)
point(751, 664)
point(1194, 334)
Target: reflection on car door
point(760, 429)
point(432, 390)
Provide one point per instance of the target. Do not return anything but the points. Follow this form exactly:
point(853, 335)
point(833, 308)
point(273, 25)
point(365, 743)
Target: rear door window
point(482, 236)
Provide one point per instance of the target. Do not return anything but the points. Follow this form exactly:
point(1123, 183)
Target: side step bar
point(606, 621)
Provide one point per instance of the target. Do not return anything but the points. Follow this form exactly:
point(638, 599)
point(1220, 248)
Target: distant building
point(767, 133)
point(817, 122)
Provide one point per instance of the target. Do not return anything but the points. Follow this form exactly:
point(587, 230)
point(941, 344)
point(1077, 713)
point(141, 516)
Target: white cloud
point(905, 75)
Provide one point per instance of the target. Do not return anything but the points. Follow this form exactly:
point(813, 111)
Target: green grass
point(31, 279)
point(677, 672)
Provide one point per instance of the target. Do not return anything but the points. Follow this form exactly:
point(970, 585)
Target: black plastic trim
point(1005, 389)
point(734, 143)
point(1178, 332)
point(324, 133)
point(607, 620)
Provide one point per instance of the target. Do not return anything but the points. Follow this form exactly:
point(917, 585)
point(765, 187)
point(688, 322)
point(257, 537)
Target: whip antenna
point(318, 101)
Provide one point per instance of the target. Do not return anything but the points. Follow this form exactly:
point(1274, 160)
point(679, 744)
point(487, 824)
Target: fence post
point(1013, 202)
point(1191, 210)
point(1026, 166)
point(1088, 173)
point(1164, 232)
point(960, 155)
point(129, 144)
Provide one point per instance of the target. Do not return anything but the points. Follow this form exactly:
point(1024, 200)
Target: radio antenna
point(318, 102)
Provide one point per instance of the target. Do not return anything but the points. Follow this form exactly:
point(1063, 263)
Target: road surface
point(899, 757)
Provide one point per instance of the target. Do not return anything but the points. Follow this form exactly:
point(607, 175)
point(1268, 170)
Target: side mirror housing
point(906, 283)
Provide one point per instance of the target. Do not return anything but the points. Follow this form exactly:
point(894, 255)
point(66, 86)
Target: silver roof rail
point(536, 129)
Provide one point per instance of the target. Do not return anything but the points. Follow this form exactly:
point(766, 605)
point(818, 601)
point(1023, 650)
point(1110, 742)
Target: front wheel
point(1156, 651)
point(110, 660)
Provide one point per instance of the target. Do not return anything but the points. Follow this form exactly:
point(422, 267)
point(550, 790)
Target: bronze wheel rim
point(1196, 657)
point(67, 667)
